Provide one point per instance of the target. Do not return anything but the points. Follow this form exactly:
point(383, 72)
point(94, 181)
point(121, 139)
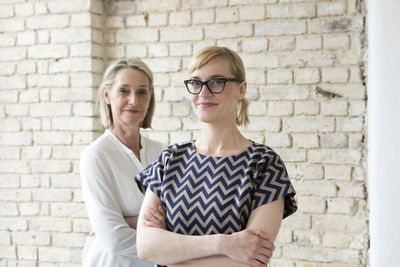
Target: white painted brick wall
point(304, 67)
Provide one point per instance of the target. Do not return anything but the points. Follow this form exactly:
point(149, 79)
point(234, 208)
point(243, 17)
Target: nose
point(132, 98)
point(204, 90)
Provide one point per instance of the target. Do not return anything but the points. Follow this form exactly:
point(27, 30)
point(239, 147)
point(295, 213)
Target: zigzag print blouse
point(208, 195)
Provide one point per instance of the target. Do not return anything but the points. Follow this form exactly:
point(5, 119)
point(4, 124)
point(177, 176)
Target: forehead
point(215, 67)
point(128, 75)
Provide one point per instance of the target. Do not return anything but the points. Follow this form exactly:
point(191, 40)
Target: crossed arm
point(250, 247)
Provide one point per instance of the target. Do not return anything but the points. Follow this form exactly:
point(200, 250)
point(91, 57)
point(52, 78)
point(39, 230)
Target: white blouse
point(107, 168)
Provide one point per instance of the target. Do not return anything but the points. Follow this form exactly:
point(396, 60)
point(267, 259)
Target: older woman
point(113, 199)
point(225, 195)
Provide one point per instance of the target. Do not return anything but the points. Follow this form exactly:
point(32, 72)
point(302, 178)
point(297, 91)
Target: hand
point(249, 246)
point(131, 221)
point(156, 218)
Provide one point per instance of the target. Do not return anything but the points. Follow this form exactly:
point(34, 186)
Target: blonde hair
point(207, 54)
point(108, 80)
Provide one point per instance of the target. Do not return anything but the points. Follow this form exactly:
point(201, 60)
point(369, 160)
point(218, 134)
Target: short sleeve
point(272, 183)
point(152, 176)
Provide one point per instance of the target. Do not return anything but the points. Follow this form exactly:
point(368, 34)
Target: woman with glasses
point(112, 198)
point(225, 195)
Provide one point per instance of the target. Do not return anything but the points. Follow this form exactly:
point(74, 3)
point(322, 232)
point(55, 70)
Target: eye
point(195, 83)
point(123, 90)
point(216, 82)
point(142, 92)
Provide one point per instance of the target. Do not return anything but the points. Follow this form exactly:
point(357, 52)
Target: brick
point(297, 221)
point(331, 8)
point(351, 91)
point(82, 20)
point(7, 68)
point(29, 124)
point(260, 60)
point(8, 209)
point(7, 40)
point(281, 43)
point(81, 226)
point(221, 31)
point(163, 109)
point(17, 139)
point(15, 195)
point(203, 4)
point(50, 166)
point(305, 140)
point(334, 140)
point(254, 76)
point(14, 166)
point(226, 14)
point(27, 253)
point(292, 155)
point(163, 64)
point(350, 124)
point(30, 181)
point(47, 51)
point(203, 16)
point(72, 210)
point(9, 153)
point(12, 82)
point(11, 25)
point(6, 11)
point(136, 35)
point(180, 137)
point(10, 125)
point(279, 28)
point(334, 156)
point(336, 41)
point(72, 124)
point(8, 97)
point(339, 222)
point(263, 124)
point(9, 181)
point(26, 67)
point(17, 110)
point(180, 18)
point(280, 108)
point(356, 140)
point(278, 140)
point(334, 107)
point(84, 79)
point(158, 50)
point(83, 138)
point(307, 59)
point(282, 92)
point(52, 138)
point(115, 52)
point(166, 124)
point(66, 152)
point(54, 254)
point(311, 204)
point(43, 37)
point(336, 239)
point(136, 50)
point(308, 124)
point(308, 42)
point(279, 76)
point(8, 252)
point(71, 64)
point(73, 94)
point(180, 49)
point(254, 45)
point(331, 25)
point(40, 8)
point(66, 181)
point(251, 12)
point(12, 53)
point(13, 224)
point(46, 224)
point(177, 34)
point(29, 209)
point(307, 76)
point(50, 109)
point(83, 109)
point(202, 44)
point(71, 6)
point(341, 206)
point(72, 239)
point(70, 35)
point(47, 22)
point(257, 108)
point(158, 19)
point(335, 75)
point(301, 10)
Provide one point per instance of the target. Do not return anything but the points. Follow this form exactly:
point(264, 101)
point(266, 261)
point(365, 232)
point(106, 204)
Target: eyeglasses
point(214, 85)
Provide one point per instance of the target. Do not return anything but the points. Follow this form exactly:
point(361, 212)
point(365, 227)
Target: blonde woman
point(225, 195)
point(112, 198)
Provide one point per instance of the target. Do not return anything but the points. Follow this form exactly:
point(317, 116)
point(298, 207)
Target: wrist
point(221, 241)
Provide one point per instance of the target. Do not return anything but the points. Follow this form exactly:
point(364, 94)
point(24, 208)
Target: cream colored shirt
point(107, 168)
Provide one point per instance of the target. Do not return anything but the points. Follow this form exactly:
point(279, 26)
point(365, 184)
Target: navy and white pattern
point(208, 195)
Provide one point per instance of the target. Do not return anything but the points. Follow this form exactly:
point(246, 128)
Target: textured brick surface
point(305, 73)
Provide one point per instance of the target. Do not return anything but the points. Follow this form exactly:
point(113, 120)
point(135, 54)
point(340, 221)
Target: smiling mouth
point(206, 104)
point(132, 111)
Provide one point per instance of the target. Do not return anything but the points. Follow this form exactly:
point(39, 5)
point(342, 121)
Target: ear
point(242, 90)
point(106, 95)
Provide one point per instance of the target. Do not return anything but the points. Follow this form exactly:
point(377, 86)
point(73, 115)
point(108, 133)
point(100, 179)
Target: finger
point(268, 245)
point(256, 263)
point(162, 210)
point(157, 214)
point(151, 218)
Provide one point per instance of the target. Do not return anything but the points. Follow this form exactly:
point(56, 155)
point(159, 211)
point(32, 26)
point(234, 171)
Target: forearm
point(212, 261)
point(164, 247)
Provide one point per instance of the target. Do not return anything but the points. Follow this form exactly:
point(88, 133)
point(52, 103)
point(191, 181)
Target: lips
point(132, 111)
point(206, 104)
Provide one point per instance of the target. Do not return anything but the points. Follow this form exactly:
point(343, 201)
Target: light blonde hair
point(108, 80)
point(207, 54)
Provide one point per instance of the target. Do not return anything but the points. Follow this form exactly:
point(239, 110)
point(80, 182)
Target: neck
point(130, 137)
point(220, 140)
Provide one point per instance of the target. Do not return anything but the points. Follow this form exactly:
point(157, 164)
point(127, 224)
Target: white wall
point(384, 131)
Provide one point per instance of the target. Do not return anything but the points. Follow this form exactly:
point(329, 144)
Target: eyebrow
point(214, 76)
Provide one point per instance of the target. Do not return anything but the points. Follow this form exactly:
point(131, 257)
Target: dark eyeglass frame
point(206, 83)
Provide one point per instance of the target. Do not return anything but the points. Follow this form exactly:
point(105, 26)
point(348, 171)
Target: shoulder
point(98, 148)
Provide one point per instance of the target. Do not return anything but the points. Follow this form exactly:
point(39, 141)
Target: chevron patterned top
point(208, 195)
